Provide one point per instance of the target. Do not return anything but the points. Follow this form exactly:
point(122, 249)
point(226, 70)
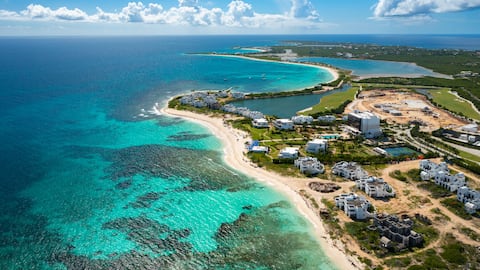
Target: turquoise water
point(91, 178)
point(285, 107)
point(400, 151)
point(374, 67)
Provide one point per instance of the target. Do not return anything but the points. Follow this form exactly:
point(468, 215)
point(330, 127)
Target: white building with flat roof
point(366, 122)
point(309, 165)
point(260, 123)
point(470, 197)
point(349, 170)
point(316, 146)
point(284, 124)
point(355, 206)
point(288, 152)
point(302, 119)
point(375, 187)
point(327, 118)
point(441, 175)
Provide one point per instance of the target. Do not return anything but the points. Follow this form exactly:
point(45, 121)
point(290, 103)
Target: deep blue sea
point(90, 178)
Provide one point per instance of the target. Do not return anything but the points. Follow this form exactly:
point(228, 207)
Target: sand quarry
point(403, 107)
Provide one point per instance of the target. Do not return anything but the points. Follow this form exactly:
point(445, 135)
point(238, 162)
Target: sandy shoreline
point(330, 70)
point(233, 143)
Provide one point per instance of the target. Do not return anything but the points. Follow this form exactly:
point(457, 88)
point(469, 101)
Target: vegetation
point(334, 103)
point(445, 99)
point(456, 207)
point(435, 190)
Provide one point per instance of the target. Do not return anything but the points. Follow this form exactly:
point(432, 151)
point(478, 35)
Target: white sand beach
point(234, 146)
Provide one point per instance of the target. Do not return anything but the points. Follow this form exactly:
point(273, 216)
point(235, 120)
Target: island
point(385, 168)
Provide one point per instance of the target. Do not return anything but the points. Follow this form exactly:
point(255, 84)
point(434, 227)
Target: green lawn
point(333, 101)
point(453, 103)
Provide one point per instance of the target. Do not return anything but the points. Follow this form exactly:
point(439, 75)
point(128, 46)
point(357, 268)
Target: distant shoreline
point(334, 72)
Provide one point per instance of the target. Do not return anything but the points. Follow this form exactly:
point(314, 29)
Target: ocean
point(92, 178)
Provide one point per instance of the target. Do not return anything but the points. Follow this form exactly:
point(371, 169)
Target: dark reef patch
point(146, 200)
point(203, 168)
point(187, 136)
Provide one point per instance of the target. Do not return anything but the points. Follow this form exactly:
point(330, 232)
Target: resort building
point(284, 124)
point(288, 152)
point(309, 165)
point(316, 146)
point(327, 118)
point(470, 128)
point(366, 122)
point(349, 170)
point(441, 175)
point(302, 119)
point(259, 149)
point(471, 199)
point(375, 187)
point(396, 230)
point(243, 111)
point(355, 206)
point(260, 123)
point(238, 95)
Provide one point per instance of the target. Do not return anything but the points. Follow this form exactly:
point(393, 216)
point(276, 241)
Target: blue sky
point(97, 17)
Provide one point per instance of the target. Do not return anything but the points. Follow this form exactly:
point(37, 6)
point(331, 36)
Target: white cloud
point(304, 9)
point(63, 13)
point(188, 12)
point(420, 8)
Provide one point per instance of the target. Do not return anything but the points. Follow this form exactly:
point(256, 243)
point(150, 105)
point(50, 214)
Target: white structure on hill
point(302, 119)
point(316, 146)
point(471, 199)
point(441, 174)
point(366, 122)
point(285, 124)
point(375, 187)
point(349, 170)
point(260, 123)
point(309, 165)
point(355, 206)
point(288, 152)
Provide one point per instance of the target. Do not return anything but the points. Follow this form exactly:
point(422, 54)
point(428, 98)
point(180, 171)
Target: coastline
point(233, 149)
point(332, 71)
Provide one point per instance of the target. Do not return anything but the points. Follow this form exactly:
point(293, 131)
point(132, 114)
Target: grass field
point(333, 101)
point(453, 103)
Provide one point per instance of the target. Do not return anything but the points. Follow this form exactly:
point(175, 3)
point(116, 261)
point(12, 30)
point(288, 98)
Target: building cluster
point(349, 170)
point(364, 123)
point(373, 186)
point(202, 99)
point(395, 230)
point(283, 123)
point(309, 165)
point(441, 175)
point(389, 108)
point(354, 206)
point(243, 111)
point(454, 183)
point(470, 198)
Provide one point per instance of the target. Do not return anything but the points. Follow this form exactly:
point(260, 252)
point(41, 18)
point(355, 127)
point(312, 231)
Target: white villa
point(470, 197)
point(441, 174)
point(316, 146)
point(288, 152)
point(302, 119)
point(259, 149)
point(309, 165)
point(260, 123)
point(349, 170)
point(285, 124)
point(327, 118)
point(355, 206)
point(375, 187)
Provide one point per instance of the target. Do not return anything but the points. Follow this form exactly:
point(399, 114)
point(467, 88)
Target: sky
point(203, 17)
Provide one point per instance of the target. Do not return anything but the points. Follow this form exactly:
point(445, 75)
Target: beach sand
point(234, 146)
